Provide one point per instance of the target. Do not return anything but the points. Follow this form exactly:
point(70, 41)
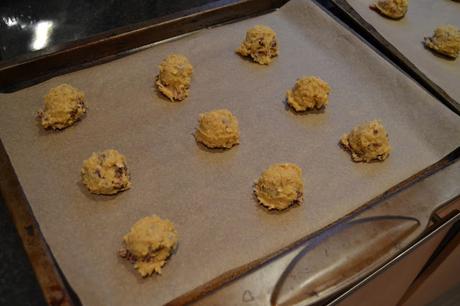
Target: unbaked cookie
point(260, 44)
point(280, 186)
point(218, 129)
point(367, 142)
point(394, 9)
point(64, 105)
point(445, 40)
point(308, 93)
point(105, 173)
point(149, 243)
point(175, 77)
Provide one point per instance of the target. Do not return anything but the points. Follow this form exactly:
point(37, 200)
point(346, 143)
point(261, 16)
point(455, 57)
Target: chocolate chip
point(73, 114)
point(120, 171)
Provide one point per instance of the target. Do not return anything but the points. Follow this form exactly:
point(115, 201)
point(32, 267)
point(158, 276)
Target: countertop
point(27, 26)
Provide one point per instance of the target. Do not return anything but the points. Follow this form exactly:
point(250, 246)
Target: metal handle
point(369, 242)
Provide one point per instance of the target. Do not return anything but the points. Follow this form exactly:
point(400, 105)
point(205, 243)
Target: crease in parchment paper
point(208, 195)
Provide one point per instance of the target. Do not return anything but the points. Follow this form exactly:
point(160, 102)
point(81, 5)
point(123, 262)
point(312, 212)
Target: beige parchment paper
point(209, 195)
point(407, 36)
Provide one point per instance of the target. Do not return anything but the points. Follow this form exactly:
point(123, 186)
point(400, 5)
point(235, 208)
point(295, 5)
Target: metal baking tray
point(36, 67)
point(402, 41)
point(416, 214)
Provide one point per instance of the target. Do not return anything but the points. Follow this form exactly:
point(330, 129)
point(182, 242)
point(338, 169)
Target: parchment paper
point(407, 36)
point(209, 195)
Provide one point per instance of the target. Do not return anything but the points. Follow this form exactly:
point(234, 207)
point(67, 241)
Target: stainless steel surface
point(347, 253)
point(397, 258)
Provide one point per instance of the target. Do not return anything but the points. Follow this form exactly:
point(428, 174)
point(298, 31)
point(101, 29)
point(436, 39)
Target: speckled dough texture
point(149, 243)
point(218, 129)
point(260, 44)
point(105, 173)
point(175, 77)
point(64, 105)
point(280, 186)
point(367, 142)
point(209, 195)
point(308, 93)
point(445, 40)
point(394, 9)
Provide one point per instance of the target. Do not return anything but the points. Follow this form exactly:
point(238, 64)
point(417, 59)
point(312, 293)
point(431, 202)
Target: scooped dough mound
point(308, 93)
point(446, 40)
point(280, 186)
point(367, 142)
point(260, 44)
point(394, 9)
point(175, 77)
point(149, 243)
point(64, 105)
point(105, 173)
point(218, 129)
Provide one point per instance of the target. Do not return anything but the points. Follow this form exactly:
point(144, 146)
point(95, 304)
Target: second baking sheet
point(408, 33)
point(209, 195)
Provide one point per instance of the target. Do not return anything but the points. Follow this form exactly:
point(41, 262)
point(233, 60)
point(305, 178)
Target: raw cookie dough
point(367, 142)
point(260, 44)
point(175, 77)
point(64, 105)
point(218, 129)
point(308, 93)
point(105, 173)
point(149, 243)
point(394, 9)
point(280, 186)
point(446, 40)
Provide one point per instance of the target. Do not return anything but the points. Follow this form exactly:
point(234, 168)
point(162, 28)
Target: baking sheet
point(209, 195)
point(407, 36)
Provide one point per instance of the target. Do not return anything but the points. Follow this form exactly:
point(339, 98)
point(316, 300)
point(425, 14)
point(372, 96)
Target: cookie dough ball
point(308, 93)
point(367, 142)
point(445, 40)
point(64, 105)
point(394, 9)
point(175, 77)
point(218, 129)
point(105, 173)
point(149, 244)
point(280, 186)
point(260, 44)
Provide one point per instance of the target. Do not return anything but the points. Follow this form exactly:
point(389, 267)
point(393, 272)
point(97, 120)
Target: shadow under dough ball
point(394, 9)
point(106, 173)
point(367, 142)
point(445, 40)
point(260, 44)
point(64, 105)
point(148, 244)
point(308, 93)
point(174, 78)
point(218, 129)
point(280, 186)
